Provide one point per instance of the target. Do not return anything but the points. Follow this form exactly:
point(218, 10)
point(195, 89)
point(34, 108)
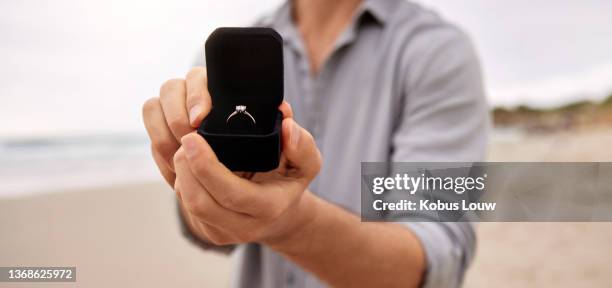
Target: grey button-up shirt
point(400, 85)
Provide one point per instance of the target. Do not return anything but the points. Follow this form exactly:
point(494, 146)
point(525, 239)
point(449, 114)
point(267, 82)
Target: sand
point(128, 236)
point(116, 237)
point(546, 254)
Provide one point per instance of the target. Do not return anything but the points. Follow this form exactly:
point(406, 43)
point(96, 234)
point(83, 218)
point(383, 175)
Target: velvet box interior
point(245, 68)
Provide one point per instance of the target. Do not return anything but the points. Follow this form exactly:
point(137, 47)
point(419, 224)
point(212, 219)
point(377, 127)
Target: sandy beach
point(116, 237)
point(128, 236)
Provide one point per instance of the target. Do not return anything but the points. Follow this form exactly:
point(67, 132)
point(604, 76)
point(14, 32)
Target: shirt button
point(290, 278)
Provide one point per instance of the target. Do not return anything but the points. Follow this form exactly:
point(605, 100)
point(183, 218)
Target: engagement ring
point(240, 109)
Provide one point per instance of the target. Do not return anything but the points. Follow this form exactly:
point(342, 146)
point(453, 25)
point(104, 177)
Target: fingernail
point(194, 112)
point(295, 134)
point(190, 146)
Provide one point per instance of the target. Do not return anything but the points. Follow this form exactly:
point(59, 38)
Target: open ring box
point(245, 68)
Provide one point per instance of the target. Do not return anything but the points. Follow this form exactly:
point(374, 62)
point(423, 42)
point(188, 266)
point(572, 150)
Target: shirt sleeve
point(444, 117)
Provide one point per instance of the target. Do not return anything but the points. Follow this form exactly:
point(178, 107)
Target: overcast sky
point(73, 66)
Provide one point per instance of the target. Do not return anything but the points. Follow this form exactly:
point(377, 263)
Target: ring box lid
point(245, 67)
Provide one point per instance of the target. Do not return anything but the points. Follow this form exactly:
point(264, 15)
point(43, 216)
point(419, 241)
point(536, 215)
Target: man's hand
point(230, 209)
point(220, 206)
point(272, 208)
point(179, 109)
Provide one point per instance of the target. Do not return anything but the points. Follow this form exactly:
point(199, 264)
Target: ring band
point(240, 109)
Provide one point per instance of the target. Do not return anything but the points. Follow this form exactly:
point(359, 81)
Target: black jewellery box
point(245, 81)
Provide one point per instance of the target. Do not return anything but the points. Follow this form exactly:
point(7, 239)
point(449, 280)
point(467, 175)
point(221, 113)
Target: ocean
point(43, 165)
point(46, 165)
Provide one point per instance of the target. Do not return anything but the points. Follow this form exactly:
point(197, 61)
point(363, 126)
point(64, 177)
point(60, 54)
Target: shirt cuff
point(449, 248)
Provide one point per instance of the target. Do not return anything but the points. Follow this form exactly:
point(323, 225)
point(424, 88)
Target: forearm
point(337, 247)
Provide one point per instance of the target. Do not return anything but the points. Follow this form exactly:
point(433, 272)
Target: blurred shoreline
point(581, 115)
point(39, 165)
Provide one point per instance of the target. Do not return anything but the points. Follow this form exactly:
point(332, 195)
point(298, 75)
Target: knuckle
point(177, 188)
point(178, 157)
point(194, 205)
point(200, 211)
point(194, 97)
point(150, 106)
point(190, 201)
point(164, 147)
point(309, 136)
point(217, 239)
point(318, 161)
point(169, 86)
point(233, 203)
point(177, 123)
point(228, 202)
point(196, 71)
point(197, 205)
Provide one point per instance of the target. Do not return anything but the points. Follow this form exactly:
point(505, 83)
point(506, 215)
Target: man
point(380, 80)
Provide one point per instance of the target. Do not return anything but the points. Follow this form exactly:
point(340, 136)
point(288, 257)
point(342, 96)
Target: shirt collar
point(380, 10)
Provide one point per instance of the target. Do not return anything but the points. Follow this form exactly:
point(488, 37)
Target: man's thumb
point(300, 149)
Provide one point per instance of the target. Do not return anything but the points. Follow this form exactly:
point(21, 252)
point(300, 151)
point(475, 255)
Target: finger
point(164, 168)
point(228, 189)
point(300, 150)
point(172, 99)
point(212, 234)
point(218, 236)
point(206, 232)
point(162, 141)
point(194, 226)
point(198, 200)
point(198, 99)
point(286, 109)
